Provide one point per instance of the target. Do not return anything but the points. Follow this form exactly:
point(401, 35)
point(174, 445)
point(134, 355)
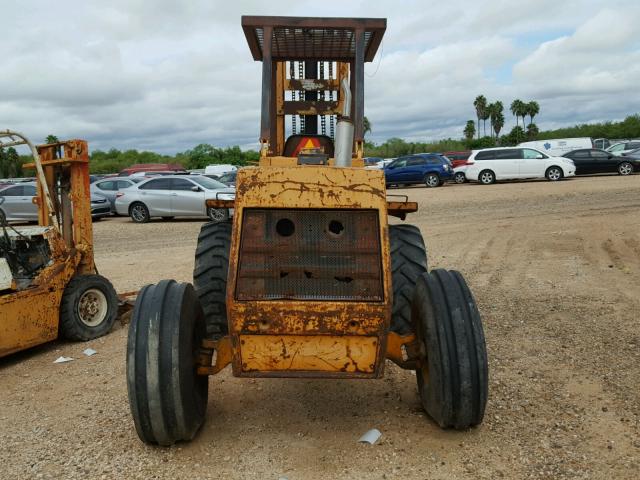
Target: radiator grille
point(310, 254)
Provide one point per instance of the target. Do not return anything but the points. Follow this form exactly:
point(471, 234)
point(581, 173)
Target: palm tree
point(532, 131)
point(51, 139)
point(481, 105)
point(366, 126)
point(516, 110)
point(532, 110)
point(498, 122)
point(469, 130)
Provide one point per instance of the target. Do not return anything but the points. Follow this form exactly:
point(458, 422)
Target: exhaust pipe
point(344, 131)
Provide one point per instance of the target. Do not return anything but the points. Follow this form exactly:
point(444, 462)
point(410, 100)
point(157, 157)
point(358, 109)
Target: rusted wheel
point(408, 262)
point(210, 274)
point(453, 378)
point(89, 308)
point(168, 399)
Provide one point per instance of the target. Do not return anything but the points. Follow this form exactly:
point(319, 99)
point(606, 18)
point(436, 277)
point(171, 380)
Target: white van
point(557, 147)
point(506, 163)
point(219, 169)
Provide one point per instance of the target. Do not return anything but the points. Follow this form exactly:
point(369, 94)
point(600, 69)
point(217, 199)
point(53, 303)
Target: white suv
point(508, 163)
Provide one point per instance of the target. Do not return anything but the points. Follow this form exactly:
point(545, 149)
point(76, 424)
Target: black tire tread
point(210, 274)
point(167, 399)
point(408, 262)
point(456, 395)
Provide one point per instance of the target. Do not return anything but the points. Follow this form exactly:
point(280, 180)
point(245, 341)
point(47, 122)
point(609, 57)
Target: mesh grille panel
point(310, 255)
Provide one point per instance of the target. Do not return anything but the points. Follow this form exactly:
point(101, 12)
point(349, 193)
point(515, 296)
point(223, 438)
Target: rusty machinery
point(308, 279)
point(48, 280)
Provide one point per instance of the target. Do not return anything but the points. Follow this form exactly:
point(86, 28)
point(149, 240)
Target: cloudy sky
point(165, 75)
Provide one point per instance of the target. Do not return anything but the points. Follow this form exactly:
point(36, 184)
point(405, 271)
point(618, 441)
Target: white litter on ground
point(89, 351)
point(371, 436)
point(63, 360)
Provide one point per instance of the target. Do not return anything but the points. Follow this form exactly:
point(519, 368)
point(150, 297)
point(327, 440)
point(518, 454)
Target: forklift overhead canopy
point(304, 38)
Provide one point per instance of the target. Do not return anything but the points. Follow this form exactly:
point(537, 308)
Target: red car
point(458, 158)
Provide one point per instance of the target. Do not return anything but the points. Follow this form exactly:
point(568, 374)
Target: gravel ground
point(555, 268)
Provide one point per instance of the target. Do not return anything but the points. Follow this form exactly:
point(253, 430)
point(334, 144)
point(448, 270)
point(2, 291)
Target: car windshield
point(208, 183)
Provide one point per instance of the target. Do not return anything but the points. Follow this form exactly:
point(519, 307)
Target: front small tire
point(554, 174)
point(88, 309)
point(625, 168)
point(168, 399)
point(139, 213)
point(453, 372)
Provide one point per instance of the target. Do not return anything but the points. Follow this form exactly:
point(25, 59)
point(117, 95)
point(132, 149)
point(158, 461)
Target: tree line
point(494, 112)
point(114, 160)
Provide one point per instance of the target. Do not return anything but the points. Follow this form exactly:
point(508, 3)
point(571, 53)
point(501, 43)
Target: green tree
point(51, 139)
point(366, 125)
point(480, 103)
point(532, 131)
point(516, 135)
point(516, 109)
point(498, 123)
point(469, 130)
point(533, 108)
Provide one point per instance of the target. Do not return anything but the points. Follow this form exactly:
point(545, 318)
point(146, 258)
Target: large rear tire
point(453, 379)
point(168, 399)
point(408, 262)
point(210, 275)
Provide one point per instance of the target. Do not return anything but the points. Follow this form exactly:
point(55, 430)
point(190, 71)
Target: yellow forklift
point(309, 280)
point(49, 285)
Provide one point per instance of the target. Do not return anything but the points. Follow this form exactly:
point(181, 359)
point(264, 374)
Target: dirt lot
point(555, 268)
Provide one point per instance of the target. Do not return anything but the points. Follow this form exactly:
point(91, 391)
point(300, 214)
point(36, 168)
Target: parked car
point(109, 187)
point(558, 146)
point(429, 168)
point(458, 158)
point(372, 162)
point(100, 206)
point(593, 160)
point(173, 196)
point(622, 148)
point(506, 163)
point(229, 178)
point(17, 203)
point(601, 143)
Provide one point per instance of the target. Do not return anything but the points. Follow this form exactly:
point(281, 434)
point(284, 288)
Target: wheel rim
point(138, 213)
point(554, 174)
point(625, 169)
point(432, 180)
point(92, 307)
point(486, 177)
point(217, 214)
point(460, 178)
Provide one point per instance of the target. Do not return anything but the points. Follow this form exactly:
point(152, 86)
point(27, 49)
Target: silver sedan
point(16, 203)
point(174, 196)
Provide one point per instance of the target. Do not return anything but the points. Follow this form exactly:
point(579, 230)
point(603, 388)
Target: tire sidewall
point(460, 178)
point(429, 176)
point(493, 177)
point(551, 169)
point(72, 326)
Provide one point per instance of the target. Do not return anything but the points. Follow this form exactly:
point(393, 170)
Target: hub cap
point(625, 169)
point(138, 213)
point(432, 181)
point(554, 174)
point(486, 177)
point(217, 214)
point(92, 307)
point(460, 178)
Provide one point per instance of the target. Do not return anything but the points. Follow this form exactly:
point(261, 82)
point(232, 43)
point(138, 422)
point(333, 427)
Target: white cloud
point(167, 75)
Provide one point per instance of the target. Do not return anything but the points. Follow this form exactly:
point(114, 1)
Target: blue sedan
point(432, 169)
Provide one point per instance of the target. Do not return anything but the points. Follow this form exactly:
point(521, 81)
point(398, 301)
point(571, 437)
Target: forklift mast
point(304, 64)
